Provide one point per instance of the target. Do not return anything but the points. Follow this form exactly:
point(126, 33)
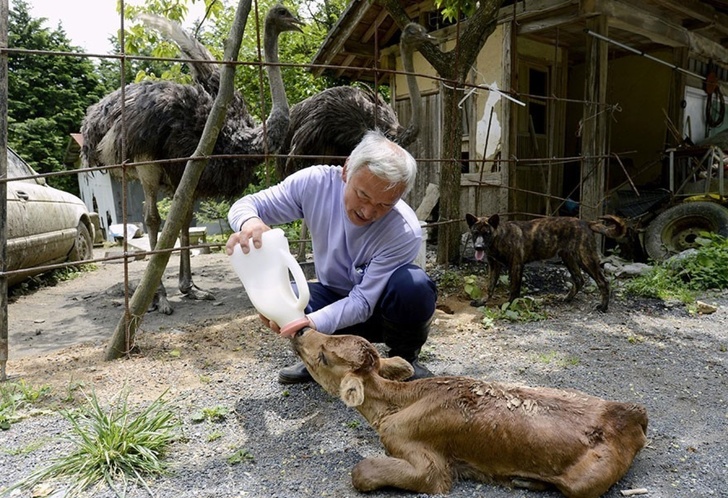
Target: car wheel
point(677, 228)
point(83, 247)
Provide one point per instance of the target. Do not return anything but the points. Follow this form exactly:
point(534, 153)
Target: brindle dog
point(515, 243)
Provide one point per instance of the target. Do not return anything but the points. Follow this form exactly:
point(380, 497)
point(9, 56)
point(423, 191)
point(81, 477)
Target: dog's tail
point(611, 226)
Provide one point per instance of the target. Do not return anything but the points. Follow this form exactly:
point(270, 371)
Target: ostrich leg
point(186, 285)
point(150, 176)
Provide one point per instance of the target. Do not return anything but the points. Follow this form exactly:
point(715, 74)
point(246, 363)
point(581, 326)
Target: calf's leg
point(421, 475)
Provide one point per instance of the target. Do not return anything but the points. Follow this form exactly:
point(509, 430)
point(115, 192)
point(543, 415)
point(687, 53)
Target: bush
point(691, 272)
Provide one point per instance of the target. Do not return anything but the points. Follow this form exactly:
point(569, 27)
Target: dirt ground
point(216, 353)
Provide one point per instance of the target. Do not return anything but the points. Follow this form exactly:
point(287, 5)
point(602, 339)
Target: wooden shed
point(569, 103)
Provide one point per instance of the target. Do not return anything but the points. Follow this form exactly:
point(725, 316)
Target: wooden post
point(594, 135)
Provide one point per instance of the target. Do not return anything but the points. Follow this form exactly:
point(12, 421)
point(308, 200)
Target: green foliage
point(684, 276)
point(214, 436)
point(215, 211)
point(47, 95)
point(353, 424)
point(295, 49)
point(214, 414)
point(111, 446)
point(449, 281)
point(522, 309)
point(472, 287)
point(16, 396)
point(241, 456)
point(455, 9)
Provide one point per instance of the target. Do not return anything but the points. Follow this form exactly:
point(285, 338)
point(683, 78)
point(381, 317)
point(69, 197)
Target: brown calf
point(442, 428)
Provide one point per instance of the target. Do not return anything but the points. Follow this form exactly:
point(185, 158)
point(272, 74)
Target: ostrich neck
point(275, 79)
point(413, 127)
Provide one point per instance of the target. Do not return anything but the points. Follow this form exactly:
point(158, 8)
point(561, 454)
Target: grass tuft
point(111, 447)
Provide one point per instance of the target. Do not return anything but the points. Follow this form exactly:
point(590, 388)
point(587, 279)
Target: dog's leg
point(591, 266)
point(425, 474)
point(577, 279)
point(494, 269)
point(516, 276)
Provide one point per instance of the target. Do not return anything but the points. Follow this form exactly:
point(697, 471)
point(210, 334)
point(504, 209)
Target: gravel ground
point(303, 442)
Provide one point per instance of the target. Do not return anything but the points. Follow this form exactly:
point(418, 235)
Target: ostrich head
point(414, 35)
point(278, 20)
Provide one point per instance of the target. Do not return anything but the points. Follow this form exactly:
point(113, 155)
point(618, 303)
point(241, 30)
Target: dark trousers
point(402, 316)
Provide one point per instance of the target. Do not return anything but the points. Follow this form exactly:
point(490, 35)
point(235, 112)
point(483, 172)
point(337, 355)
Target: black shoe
point(294, 374)
point(421, 372)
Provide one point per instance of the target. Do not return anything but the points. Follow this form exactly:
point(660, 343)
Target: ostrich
point(331, 123)
point(327, 124)
point(164, 120)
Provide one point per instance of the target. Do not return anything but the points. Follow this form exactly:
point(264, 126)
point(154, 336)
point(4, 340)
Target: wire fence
point(477, 162)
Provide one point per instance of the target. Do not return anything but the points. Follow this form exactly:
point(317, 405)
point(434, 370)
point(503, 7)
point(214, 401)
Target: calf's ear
point(351, 390)
point(395, 368)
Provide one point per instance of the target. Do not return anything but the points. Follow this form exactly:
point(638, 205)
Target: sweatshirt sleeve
point(275, 205)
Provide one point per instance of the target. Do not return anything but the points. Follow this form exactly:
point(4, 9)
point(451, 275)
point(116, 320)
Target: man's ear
point(351, 390)
point(345, 170)
point(395, 368)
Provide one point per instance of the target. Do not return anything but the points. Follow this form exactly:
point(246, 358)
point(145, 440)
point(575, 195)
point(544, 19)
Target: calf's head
point(342, 363)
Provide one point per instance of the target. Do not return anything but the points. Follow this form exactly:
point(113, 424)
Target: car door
point(38, 232)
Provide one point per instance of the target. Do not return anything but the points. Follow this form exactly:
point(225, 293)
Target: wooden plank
point(432, 195)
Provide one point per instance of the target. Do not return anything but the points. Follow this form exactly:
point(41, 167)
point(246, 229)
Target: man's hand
point(253, 229)
point(275, 328)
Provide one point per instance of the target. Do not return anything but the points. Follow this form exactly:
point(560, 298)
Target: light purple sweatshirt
point(354, 261)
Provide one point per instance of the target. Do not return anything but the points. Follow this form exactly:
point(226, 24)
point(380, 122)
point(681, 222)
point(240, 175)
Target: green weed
point(522, 309)
point(215, 414)
point(111, 446)
point(214, 436)
point(240, 456)
point(15, 396)
point(472, 287)
point(682, 278)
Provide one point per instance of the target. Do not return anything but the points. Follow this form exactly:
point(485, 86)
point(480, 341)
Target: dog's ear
point(470, 219)
point(351, 390)
point(395, 368)
point(494, 221)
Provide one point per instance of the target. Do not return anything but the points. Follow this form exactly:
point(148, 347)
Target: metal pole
point(3, 187)
point(643, 54)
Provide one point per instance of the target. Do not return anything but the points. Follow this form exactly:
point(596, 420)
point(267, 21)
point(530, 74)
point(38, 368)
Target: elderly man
point(365, 238)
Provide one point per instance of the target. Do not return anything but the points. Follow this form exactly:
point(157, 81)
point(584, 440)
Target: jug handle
point(300, 279)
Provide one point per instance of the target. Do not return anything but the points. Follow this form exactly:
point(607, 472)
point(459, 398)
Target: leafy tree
point(47, 94)
point(453, 66)
point(296, 49)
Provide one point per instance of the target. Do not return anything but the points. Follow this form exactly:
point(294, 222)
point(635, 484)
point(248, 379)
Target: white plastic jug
point(265, 275)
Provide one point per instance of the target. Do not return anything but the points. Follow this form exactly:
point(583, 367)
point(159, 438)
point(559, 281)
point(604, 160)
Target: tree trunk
point(453, 67)
point(123, 338)
point(448, 242)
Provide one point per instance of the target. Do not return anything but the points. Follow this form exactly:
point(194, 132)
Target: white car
point(44, 225)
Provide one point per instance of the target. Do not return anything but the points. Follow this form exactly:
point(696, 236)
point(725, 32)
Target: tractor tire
point(677, 228)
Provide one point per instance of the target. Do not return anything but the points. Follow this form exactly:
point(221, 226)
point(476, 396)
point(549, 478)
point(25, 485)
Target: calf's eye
point(322, 359)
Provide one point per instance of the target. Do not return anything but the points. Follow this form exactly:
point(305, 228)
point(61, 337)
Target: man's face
point(368, 197)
